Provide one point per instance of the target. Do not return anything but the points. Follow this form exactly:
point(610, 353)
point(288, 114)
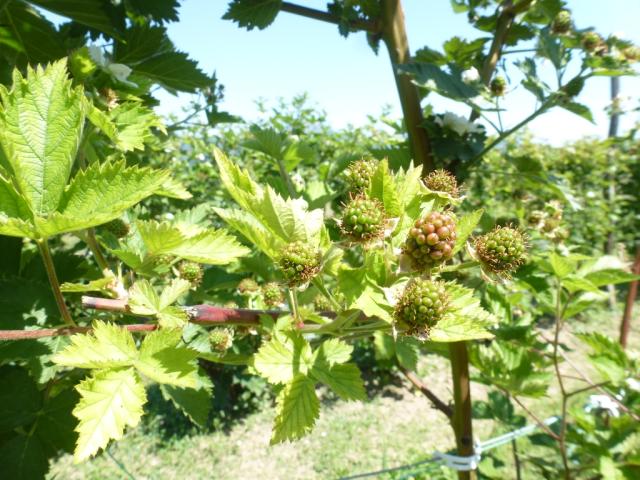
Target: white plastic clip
point(461, 464)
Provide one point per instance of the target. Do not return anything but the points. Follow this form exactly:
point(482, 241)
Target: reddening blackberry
point(442, 181)
point(422, 305)
point(431, 240)
point(501, 251)
point(221, 339)
point(498, 86)
point(299, 263)
point(561, 23)
point(118, 227)
point(359, 173)
point(363, 219)
point(271, 294)
point(191, 271)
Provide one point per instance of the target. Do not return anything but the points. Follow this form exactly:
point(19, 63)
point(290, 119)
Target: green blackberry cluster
point(271, 294)
point(118, 227)
point(299, 263)
point(422, 305)
point(502, 250)
point(221, 339)
point(498, 86)
point(562, 23)
point(431, 240)
point(358, 174)
point(363, 219)
point(592, 42)
point(248, 286)
point(191, 271)
point(442, 181)
point(321, 304)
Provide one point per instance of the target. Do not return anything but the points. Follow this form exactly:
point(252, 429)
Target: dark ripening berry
point(118, 227)
point(431, 240)
point(358, 174)
point(562, 23)
point(191, 272)
point(248, 286)
point(221, 339)
point(498, 86)
point(363, 219)
point(442, 181)
point(299, 263)
point(272, 295)
point(422, 305)
point(502, 250)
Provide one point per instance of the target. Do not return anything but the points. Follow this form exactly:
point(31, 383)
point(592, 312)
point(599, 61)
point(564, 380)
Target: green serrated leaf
point(106, 346)
point(383, 187)
point(344, 379)
point(23, 458)
point(193, 402)
point(41, 121)
point(283, 357)
point(134, 124)
point(253, 13)
point(19, 398)
point(163, 361)
point(110, 401)
point(92, 286)
point(561, 266)
point(465, 227)
point(174, 70)
point(334, 351)
point(298, 408)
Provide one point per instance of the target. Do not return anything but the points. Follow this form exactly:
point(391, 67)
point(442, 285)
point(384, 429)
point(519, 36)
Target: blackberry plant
point(431, 241)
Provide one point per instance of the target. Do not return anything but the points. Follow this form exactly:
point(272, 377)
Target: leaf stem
point(45, 253)
point(286, 178)
point(93, 245)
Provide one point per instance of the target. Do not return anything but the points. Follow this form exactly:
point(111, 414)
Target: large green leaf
point(99, 14)
point(174, 70)
point(282, 358)
point(194, 402)
point(41, 120)
point(343, 379)
point(12, 204)
point(432, 77)
point(465, 227)
point(107, 346)
point(23, 458)
point(110, 400)
point(383, 187)
point(20, 399)
point(298, 408)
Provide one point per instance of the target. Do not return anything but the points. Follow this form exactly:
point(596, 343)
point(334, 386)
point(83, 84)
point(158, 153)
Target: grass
point(394, 427)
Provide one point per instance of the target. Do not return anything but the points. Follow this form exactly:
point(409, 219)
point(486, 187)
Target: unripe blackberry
point(502, 250)
point(498, 86)
point(363, 219)
point(248, 286)
point(431, 240)
point(358, 174)
point(591, 42)
point(221, 339)
point(299, 263)
point(191, 271)
point(442, 181)
point(562, 23)
point(422, 305)
point(631, 54)
point(272, 294)
point(118, 227)
point(163, 260)
point(321, 304)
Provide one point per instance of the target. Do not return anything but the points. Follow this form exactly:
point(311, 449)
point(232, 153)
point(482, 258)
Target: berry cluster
point(592, 42)
point(562, 23)
point(248, 286)
point(191, 271)
point(272, 295)
point(502, 250)
point(442, 181)
point(221, 339)
point(422, 305)
point(431, 240)
point(299, 263)
point(118, 227)
point(363, 219)
point(498, 86)
point(358, 174)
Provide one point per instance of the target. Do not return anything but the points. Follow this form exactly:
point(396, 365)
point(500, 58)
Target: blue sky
point(346, 79)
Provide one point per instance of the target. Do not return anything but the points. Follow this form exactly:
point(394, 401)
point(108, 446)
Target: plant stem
point(516, 459)
point(325, 16)
point(462, 417)
point(625, 325)
point(394, 34)
point(420, 385)
point(319, 284)
point(92, 242)
point(286, 178)
point(556, 364)
point(45, 253)
point(536, 419)
point(292, 300)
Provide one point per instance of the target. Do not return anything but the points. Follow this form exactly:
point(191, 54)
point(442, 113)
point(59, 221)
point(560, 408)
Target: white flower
point(602, 402)
point(458, 124)
point(471, 75)
point(97, 55)
point(119, 71)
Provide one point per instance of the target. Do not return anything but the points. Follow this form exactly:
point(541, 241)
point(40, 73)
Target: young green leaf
point(383, 187)
point(143, 300)
point(110, 401)
point(107, 346)
point(343, 379)
point(282, 358)
point(465, 227)
point(41, 121)
point(298, 408)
